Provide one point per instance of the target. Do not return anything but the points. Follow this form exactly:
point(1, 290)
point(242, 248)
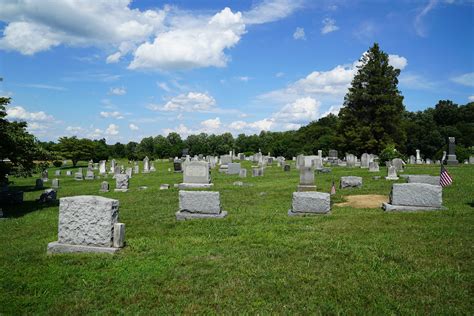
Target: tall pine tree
point(373, 108)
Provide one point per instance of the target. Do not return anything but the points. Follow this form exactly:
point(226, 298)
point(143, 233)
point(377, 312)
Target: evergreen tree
point(373, 110)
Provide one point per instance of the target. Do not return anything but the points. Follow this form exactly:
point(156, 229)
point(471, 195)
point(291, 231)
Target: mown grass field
point(257, 260)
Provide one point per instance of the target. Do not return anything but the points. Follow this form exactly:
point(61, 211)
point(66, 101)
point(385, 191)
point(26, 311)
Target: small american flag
point(333, 188)
point(444, 177)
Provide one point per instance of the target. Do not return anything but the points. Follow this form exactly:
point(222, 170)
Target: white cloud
point(34, 27)
point(333, 109)
point(196, 43)
point(418, 23)
point(329, 25)
point(398, 62)
point(271, 10)
point(42, 86)
point(243, 78)
point(211, 124)
point(133, 127)
point(299, 34)
point(414, 81)
point(118, 91)
point(279, 74)
point(112, 129)
point(113, 114)
point(163, 86)
point(466, 79)
point(190, 102)
point(20, 113)
point(303, 110)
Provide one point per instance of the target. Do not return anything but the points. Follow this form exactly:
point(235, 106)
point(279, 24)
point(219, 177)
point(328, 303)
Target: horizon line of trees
point(426, 130)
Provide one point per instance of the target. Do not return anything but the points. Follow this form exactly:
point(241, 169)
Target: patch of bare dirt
point(364, 201)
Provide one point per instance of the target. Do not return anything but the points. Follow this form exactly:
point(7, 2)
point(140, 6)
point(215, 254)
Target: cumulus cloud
point(21, 114)
point(112, 129)
point(271, 10)
point(118, 91)
point(466, 79)
point(200, 43)
point(329, 25)
point(299, 34)
point(211, 124)
point(113, 114)
point(190, 102)
point(398, 62)
point(133, 127)
point(303, 110)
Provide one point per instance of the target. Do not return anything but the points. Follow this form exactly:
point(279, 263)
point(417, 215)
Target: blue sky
point(125, 70)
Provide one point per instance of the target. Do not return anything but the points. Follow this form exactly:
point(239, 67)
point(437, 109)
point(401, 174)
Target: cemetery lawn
point(257, 260)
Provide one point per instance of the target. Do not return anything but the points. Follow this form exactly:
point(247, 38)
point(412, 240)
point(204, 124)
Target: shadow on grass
point(19, 210)
point(471, 204)
point(25, 188)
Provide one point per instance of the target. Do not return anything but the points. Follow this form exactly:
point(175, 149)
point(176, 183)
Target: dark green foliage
point(76, 149)
point(17, 145)
point(373, 108)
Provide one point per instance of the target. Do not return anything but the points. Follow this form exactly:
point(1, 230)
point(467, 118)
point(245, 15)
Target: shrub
point(389, 153)
point(57, 163)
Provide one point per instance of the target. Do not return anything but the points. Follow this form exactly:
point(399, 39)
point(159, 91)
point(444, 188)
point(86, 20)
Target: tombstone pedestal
point(306, 188)
point(452, 160)
point(56, 247)
point(195, 185)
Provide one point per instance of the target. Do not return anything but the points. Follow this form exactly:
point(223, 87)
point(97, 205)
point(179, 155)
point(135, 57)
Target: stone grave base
point(120, 190)
point(291, 213)
point(195, 185)
point(306, 188)
point(387, 207)
point(392, 178)
point(56, 247)
point(184, 215)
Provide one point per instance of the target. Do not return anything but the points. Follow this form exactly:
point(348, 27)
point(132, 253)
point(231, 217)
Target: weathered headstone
point(423, 178)
point(90, 175)
point(233, 168)
point(199, 204)
point(128, 172)
point(243, 173)
point(318, 163)
point(121, 183)
point(306, 179)
point(196, 175)
point(414, 197)
point(286, 168)
point(364, 161)
point(392, 173)
point(452, 160)
point(88, 224)
point(102, 167)
point(164, 186)
point(177, 166)
point(374, 166)
point(398, 164)
point(112, 166)
point(39, 184)
point(412, 160)
point(104, 186)
point(310, 203)
point(55, 184)
point(57, 173)
point(471, 160)
point(44, 175)
point(418, 157)
point(78, 176)
point(257, 171)
point(152, 167)
point(146, 165)
point(90, 165)
point(68, 173)
point(351, 182)
point(350, 160)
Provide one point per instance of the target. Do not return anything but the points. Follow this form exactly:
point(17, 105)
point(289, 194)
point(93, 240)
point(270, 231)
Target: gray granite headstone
point(414, 197)
point(392, 173)
point(243, 173)
point(351, 182)
point(423, 178)
point(39, 184)
point(104, 186)
point(452, 160)
point(310, 203)
point(196, 175)
point(121, 183)
point(306, 179)
point(199, 204)
point(233, 168)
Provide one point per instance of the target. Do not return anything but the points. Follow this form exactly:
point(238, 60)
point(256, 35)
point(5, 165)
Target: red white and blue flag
point(444, 177)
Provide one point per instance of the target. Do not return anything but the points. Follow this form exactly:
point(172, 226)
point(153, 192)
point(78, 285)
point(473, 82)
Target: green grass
point(257, 260)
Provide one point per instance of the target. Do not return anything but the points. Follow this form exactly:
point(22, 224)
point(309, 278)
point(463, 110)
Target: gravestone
point(398, 164)
point(88, 224)
point(418, 157)
point(196, 175)
point(177, 165)
point(351, 182)
point(364, 161)
point(350, 160)
point(44, 175)
point(121, 183)
point(243, 173)
point(152, 166)
point(412, 160)
point(78, 176)
point(452, 160)
point(104, 186)
point(257, 171)
point(55, 184)
point(146, 165)
point(48, 196)
point(286, 168)
point(164, 186)
point(374, 166)
point(90, 165)
point(96, 166)
point(39, 184)
point(318, 163)
point(224, 163)
point(241, 156)
point(310, 203)
point(414, 197)
point(199, 205)
point(136, 169)
point(306, 180)
point(57, 173)
point(423, 178)
point(128, 172)
point(392, 173)
point(102, 167)
point(471, 160)
point(64, 163)
point(90, 175)
point(233, 168)
point(112, 166)
point(332, 157)
point(68, 173)
point(429, 161)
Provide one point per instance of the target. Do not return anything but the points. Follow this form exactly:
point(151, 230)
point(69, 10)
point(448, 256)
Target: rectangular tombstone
point(86, 224)
point(233, 168)
point(414, 196)
point(310, 203)
point(196, 172)
point(57, 173)
point(121, 183)
point(55, 184)
point(199, 204)
point(364, 161)
point(306, 176)
point(68, 173)
point(423, 178)
point(78, 176)
point(243, 173)
point(102, 167)
point(350, 160)
point(257, 172)
point(374, 166)
point(226, 159)
point(90, 175)
point(177, 166)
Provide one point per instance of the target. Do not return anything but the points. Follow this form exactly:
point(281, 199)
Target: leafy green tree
point(373, 107)
point(119, 150)
point(132, 150)
point(162, 146)
point(146, 148)
point(101, 150)
point(76, 149)
point(176, 143)
point(18, 148)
